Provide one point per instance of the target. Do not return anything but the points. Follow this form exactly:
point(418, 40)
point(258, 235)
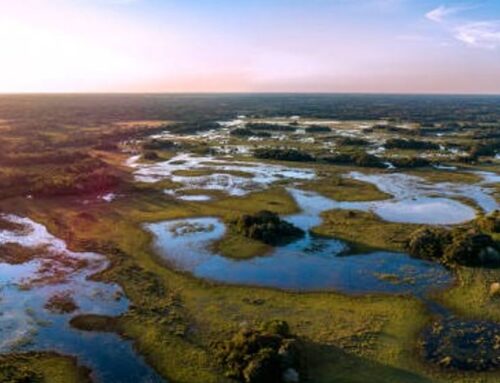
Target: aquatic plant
point(463, 345)
point(61, 303)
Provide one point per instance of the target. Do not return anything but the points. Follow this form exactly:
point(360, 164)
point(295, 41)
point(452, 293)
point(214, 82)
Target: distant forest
point(424, 109)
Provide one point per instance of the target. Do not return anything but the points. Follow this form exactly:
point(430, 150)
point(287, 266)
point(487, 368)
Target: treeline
point(346, 157)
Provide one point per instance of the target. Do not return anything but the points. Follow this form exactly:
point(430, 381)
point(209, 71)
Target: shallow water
point(259, 175)
point(310, 263)
point(26, 325)
point(417, 201)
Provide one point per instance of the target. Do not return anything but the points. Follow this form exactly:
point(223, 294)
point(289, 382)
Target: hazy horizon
point(278, 46)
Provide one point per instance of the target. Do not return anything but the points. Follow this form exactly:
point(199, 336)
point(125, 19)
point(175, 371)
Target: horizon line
point(277, 93)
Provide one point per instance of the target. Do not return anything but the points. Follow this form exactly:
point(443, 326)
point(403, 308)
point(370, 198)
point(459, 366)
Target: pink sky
point(294, 46)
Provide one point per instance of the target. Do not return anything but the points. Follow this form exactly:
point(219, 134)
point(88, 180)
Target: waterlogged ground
point(235, 178)
point(312, 263)
point(29, 323)
point(414, 200)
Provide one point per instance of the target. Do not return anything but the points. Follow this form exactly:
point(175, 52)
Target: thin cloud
point(483, 34)
point(478, 34)
point(440, 13)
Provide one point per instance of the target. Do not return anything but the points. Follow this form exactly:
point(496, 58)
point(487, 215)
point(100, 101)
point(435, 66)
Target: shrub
point(267, 227)
point(410, 162)
point(462, 245)
point(472, 248)
point(282, 154)
point(399, 143)
point(317, 129)
point(428, 243)
point(351, 141)
point(261, 355)
point(244, 132)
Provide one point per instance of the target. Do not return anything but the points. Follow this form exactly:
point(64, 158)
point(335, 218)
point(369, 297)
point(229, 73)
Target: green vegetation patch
point(365, 229)
point(341, 188)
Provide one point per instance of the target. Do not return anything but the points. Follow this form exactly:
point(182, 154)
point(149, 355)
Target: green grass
point(470, 296)
point(365, 229)
point(344, 189)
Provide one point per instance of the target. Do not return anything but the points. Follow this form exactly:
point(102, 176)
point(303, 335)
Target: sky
point(368, 46)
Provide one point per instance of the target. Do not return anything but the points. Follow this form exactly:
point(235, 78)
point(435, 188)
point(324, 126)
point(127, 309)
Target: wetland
point(249, 239)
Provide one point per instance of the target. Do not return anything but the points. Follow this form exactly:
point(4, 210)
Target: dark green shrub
point(261, 355)
point(267, 227)
point(429, 243)
point(282, 154)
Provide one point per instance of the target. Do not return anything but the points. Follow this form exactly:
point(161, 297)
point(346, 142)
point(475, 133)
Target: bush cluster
point(267, 227)
point(463, 246)
point(269, 354)
point(282, 154)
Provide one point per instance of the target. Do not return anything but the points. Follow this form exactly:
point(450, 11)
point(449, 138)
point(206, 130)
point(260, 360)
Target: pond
point(308, 264)
point(416, 201)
